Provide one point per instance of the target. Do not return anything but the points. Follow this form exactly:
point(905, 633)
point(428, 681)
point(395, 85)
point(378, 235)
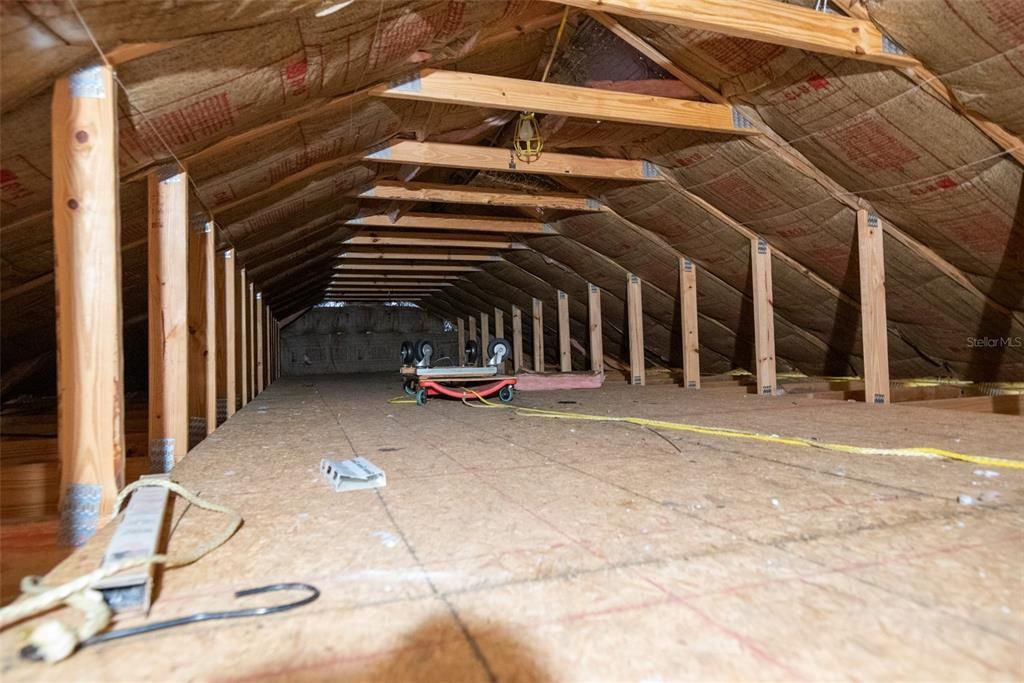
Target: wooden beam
point(485, 335)
point(381, 291)
point(373, 299)
point(931, 82)
point(872, 307)
point(347, 282)
point(242, 341)
point(688, 318)
point(538, 335)
point(635, 311)
point(564, 352)
point(268, 318)
point(470, 194)
point(168, 317)
point(226, 317)
point(399, 277)
point(202, 308)
point(260, 334)
point(517, 339)
point(596, 330)
point(253, 331)
point(440, 239)
point(764, 315)
point(499, 323)
point(403, 267)
point(87, 261)
point(472, 328)
point(448, 155)
point(432, 255)
point(513, 94)
point(431, 221)
point(461, 325)
point(766, 21)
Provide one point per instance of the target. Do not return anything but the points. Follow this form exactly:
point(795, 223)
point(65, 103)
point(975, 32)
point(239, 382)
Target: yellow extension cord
point(742, 434)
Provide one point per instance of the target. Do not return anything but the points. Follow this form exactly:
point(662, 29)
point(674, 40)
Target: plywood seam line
point(799, 163)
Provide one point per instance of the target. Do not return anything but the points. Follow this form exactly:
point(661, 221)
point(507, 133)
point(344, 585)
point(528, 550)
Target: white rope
point(55, 640)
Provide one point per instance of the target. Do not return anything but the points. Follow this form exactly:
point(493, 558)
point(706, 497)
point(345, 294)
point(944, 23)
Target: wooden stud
point(766, 21)
point(430, 221)
point(87, 263)
point(260, 331)
point(202, 368)
point(448, 155)
point(268, 319)
point(870, 236)
point(513, 94)
point(168, 317)
point(538, 335)
point(764, 315)
point(499, 323)
point(517, 339)
point(226, 319)
point(634, 301)
point(398, 278)
point(468, 194)
point(564, 351)
point(242, 346)
point(461, 349)
point(688, 318)
point(485, 335)
point(596, 331)
point(251, 322)
point(472, 328)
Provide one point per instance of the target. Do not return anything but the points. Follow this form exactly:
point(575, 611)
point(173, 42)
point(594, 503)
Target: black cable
point(31, 652)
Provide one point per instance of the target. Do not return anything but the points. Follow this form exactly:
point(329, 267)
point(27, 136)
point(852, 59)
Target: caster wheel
point(506, 394)
point(499, 348)
point(421, 396)
point(410, 387)
point(407, 353)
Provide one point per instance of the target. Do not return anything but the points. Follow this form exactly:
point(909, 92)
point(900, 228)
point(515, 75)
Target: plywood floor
point(520, 549)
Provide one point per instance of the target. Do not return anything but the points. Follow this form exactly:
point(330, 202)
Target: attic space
point(512, 340)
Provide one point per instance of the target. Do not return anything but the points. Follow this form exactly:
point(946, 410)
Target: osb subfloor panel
point(522, 549)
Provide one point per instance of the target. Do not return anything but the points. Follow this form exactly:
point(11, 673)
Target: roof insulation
point(265, 103)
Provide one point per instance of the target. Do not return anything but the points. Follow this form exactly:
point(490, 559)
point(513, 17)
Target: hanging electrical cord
point(527, 140)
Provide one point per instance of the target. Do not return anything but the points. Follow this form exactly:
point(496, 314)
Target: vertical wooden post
point(472, 328)
point(499, 322)
point(764, 315)
point(87, 264)
point(226, 334)
point(242, 346)
point(251, 321)
point(268, 319)
point(168, 321)
point(260, 324)
point(538, 335)
point(564, 352)
point(872, 307)
point(202, 309)
point(634, 304)
point(596, 331)
point(688, 318)
point(485, 336)
point(517, 339)
point(461, 350)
